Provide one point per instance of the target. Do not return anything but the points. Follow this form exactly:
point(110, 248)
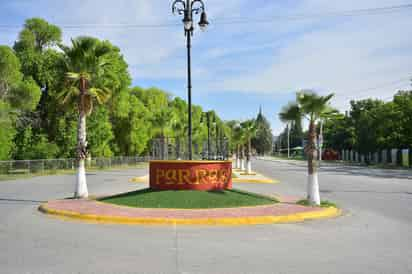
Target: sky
point(254, 53)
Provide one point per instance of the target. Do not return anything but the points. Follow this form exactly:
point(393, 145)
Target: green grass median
point(189, 199)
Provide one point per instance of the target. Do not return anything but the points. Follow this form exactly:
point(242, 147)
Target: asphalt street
point(374, 235)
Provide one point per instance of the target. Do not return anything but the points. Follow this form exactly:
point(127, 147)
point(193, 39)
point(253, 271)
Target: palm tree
point(88, 77)
point(238, 141)
point(312, 107)
point(290, 115)
point(250, 131)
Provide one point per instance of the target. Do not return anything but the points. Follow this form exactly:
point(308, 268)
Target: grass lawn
point(148, 198)
point(26, 174)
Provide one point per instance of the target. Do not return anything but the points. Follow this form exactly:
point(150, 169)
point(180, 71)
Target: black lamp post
point(188, 8)
point(217, 141)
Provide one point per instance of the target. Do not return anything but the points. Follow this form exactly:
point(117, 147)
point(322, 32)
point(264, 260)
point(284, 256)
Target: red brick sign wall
point(190, 175)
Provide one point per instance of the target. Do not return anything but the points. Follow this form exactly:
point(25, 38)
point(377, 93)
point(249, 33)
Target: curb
point(329, 212)
point(140, 179)
point(255, 181)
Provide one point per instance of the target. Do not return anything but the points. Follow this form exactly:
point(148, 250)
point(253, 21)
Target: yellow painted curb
point(292, 218)
point(141, 179)
point(254, 181)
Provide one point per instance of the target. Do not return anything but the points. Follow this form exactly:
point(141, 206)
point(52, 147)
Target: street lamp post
point(188, 8)
point(217, 142)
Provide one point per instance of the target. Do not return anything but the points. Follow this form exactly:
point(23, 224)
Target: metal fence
point(54, 165)
point(169, 148)
point(392, 157)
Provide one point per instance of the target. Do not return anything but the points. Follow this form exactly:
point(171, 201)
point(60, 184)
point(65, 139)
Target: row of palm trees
point(242, 139)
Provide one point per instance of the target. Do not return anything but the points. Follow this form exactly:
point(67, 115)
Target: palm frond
point(290, 113)
point(72, 76)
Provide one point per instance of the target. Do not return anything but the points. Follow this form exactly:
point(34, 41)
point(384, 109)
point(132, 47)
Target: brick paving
point(92, 207)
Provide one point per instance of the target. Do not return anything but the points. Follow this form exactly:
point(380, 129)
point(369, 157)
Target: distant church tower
point(260, 114)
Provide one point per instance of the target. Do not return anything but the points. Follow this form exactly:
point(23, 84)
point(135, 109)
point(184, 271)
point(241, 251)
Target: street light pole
point(187, 8)
point(208, 135)
point(217, 142)
point(207, 114)
point(320, 140)
point(189, 93)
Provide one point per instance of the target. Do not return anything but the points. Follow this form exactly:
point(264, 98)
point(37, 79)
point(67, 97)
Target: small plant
point(305, 202)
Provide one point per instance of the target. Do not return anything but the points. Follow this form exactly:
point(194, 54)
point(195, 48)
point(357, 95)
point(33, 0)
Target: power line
point(347, 13)
point(374, 88)
point(242, 20)
point(368, 90)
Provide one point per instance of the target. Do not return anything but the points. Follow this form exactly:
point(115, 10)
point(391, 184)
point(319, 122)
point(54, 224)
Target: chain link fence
point(48, 166)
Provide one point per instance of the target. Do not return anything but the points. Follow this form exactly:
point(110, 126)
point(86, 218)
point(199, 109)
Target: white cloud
point(351, 55)
point(345, 55)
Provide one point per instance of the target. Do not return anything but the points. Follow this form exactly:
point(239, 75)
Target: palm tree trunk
point(242, 158)
point(81, 185)
point(237, 156)
point(249, 156)
point(313, 184)
point(177, 148)
point(288, 129)
point(162, 147)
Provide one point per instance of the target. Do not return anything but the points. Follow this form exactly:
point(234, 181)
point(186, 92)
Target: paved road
point(374, 235)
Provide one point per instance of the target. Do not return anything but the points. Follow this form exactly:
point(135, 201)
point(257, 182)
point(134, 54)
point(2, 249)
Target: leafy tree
point(25, 95)
point(238, 138)
point(66, 139)
point(339, 133)
point(7, 131)
point(161, 123)
point(133, 131)
point(38, 34)
point(262, 142)
point(100, 133)
point(30, 146)
point(292, 116)
point(42, 148)
point(179, 123)
point(403, 108)
point(10, 74)
point(89, 75)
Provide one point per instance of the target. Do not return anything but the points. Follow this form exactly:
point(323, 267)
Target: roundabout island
point(188, 193)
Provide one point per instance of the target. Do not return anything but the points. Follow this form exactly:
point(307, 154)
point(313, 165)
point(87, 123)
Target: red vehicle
point(330, 155)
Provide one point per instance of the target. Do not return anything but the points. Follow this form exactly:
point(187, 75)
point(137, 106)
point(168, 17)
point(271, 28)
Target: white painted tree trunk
point(288, 129)
point(242, 164)
point(249, 167)
point(313, 189)
point(313, 184)
point(237, 162)
point(81, 185)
